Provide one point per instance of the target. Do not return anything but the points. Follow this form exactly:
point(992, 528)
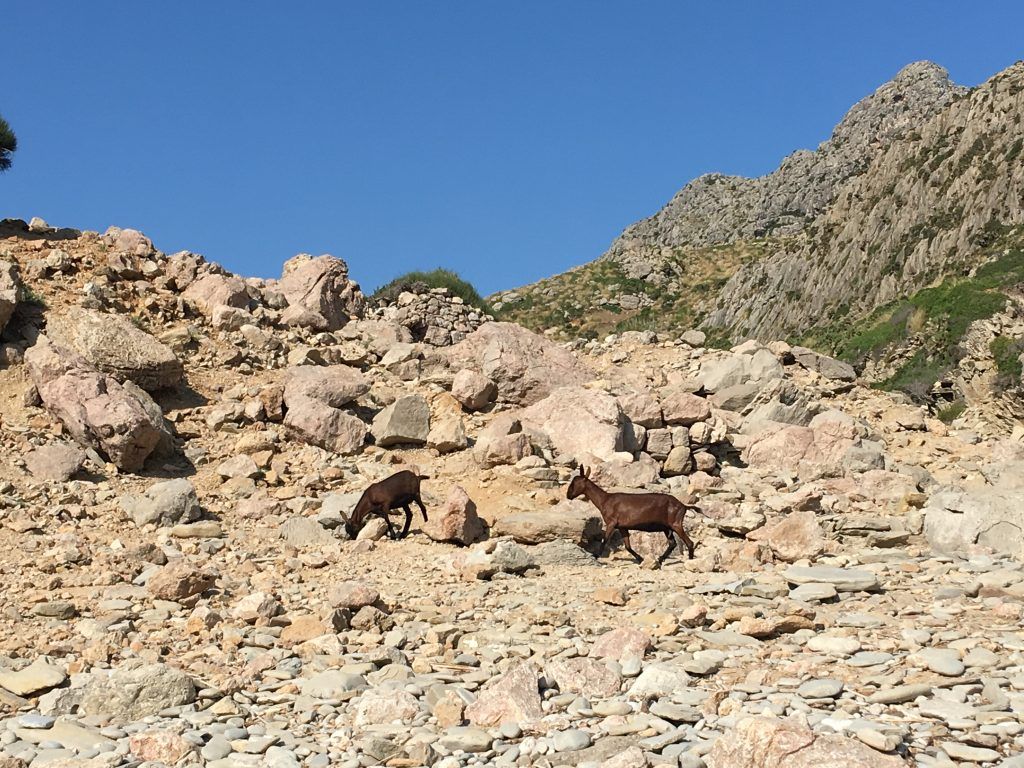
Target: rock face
point(113, 345)
point(334, 385)
point(579, 421)
point(473, 390)
point(319, 293)
point(96, 409)
point(762, 742)
point(524, 366)
point(10, 291)
point(956, 519)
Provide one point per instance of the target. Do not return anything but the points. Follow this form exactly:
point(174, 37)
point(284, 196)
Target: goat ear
point(588, 472)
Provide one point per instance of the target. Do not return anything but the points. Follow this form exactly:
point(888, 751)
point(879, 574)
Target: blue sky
point(508, 141)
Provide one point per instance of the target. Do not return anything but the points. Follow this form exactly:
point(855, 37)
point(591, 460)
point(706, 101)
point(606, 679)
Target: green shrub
point(437, 278)
point(1007, 352)
point(8, 144)
point(952, 412)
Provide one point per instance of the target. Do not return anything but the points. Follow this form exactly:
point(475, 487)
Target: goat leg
point(408, 521)
point(678, 528)
point(423, 509)
point(387, 520)
point(671, 546)
point(606, 539)
point(625, 543)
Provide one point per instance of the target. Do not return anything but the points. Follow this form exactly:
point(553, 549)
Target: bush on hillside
point(437, 278)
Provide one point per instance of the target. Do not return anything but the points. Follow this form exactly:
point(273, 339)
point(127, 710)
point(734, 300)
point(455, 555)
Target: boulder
point(830, 444)
point(758, 368)
point(447, 429)
point(579, 421)
point(574, 521)
point(125, 695)
point(684, 408)
point(798, 536)
point(513, 698)
point(319, 294)
point(525, 367)
point(166, 503)
point(502, 442)
point(620, 473)
point(457, 521)
point(56, 462)
point(957, 519)
point(317, 423)
point(473, 390)
point(828, 367)
point(621, 644)
point(214, 290)
point(113, 345)
point(179, 580)
point(38, 676)
point(10, 291)
point(96, 409)
point(764, 742)
point(642, 408)
point(334, 385)
point(586, 677)
point(384, 707)
point(407, 420)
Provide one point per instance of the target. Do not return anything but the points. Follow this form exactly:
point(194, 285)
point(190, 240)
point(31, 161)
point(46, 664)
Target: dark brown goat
point(625, 512)
point(394, 492)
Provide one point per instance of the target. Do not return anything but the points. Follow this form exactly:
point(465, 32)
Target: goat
point(394, 492)
point(625, 512)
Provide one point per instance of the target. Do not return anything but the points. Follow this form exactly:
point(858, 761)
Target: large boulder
point(407, 420)
point(112, 344)
point(214, 290)
point(165, 503)
point(126, 695)
point(56, 462)
point(579, 421)
point(317, 423)
point(759, 368)
point(457, 521)
point(473, 390)
point(319, 294)
point(828, 367)
point(766, 742)
point(525, 367)
point(957, 519)
point(10, 291)
point(513, 698)
point(333, 385)
point(576, 521)
point(95, 408)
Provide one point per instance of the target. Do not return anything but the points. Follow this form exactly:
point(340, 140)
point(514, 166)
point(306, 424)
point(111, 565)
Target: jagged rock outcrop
point(96, 409)
point(319, 293)
point(10, 291)
point(114, 345)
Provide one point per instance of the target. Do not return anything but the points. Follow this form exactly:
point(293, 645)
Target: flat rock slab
point(900, 694)
point(37, 676)
point(843, 579)
point(68, 734)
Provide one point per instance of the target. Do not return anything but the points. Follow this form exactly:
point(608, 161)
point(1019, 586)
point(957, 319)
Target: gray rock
point(56, 462)
point(843, 579)
point(466, 738)
point(301, 532)
point(131, 694)
point(10, 291)
point(942, 661)
point(166, 503)
point(571, 740)
point(825, 688)
point(407, 420)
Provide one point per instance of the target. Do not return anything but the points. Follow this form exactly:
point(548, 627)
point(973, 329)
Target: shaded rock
point(97, 410)
point(57, 462)
point(38, 676)
point(525, 367)
point(10, 291)
point(319, 293)
point(407, 420)
point(456, 521)
point(828, 367)
point(573, 521)
point(513, 698)
point(165, 503)
point(113, 345)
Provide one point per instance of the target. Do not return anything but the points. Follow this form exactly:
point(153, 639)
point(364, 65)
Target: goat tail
point(697, 510)
point(422, 477)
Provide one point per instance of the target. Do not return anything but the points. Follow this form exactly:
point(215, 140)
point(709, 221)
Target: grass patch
point(32, 297)
point(951, 412)
point(437, 278)
point(1007, 351)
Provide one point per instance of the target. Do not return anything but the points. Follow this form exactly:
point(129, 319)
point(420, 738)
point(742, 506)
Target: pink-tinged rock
point(619, 473)
point(457, 521)
point(317, 423)
point(576, 521)
point(634, 757)
point(525, 367)
point(333, 385)
point(763, 742)
point(95, 408)
point(56, 462)
point(473, 390)
point(256, 607)
point(213, 290)
point(685, 408)
point(514, 698)
point(491, 452)
point(642, 408)
point(164, 747)
point(579, 421)
point(587, 677)
point(352, 595)
point(619, 644)
point(797, 536)
point(129, 241)
point(383, 707)
point(320, 295)
point(179, 580)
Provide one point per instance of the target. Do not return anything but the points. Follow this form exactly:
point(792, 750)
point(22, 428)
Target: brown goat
point(625, 512)
point(394, 492)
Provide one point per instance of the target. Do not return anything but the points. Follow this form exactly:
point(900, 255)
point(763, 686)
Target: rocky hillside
point(921, 182)
point(182, 449)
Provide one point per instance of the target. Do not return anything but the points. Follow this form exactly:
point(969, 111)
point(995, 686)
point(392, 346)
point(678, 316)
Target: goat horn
point(588, 472)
